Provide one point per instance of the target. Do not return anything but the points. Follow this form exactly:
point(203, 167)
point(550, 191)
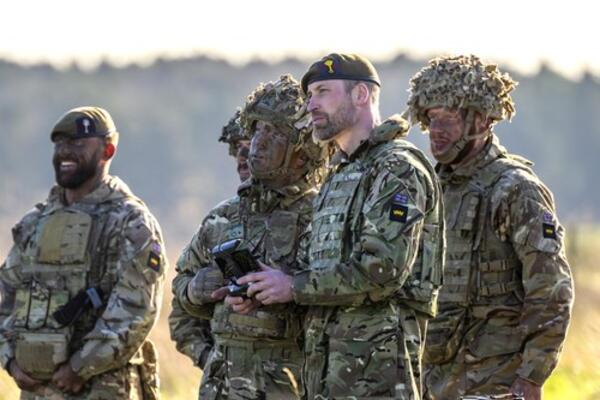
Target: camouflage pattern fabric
point(107, 240)
point(507, 396)
point(507, 295)
point(189, 322)
point(365, 236)
point(256, 356)
point(461, 82)
point(233, 132)
point(282, 104)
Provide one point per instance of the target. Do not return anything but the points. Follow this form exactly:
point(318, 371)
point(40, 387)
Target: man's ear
point(360, 94)
point(109, 151)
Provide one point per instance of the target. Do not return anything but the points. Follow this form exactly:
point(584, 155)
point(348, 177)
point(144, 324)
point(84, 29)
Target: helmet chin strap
point(457, 151)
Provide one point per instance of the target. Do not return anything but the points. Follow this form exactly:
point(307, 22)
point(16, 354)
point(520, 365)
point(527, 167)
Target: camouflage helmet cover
point(283, 104)
point(461, 82)
point(233, 132)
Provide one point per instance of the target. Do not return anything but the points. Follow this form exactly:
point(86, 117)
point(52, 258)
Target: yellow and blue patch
point(548, 227)
point(154, 257)
point(399, 208)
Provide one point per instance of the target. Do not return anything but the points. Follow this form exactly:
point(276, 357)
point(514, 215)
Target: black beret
point(341, 66)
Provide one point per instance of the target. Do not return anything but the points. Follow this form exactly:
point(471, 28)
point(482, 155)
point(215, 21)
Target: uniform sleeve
point(527, 217)
point(189, 324)
point(8, 281)
point(192, 259)
point(384, 247)
point(134, 302)
point(10, 278)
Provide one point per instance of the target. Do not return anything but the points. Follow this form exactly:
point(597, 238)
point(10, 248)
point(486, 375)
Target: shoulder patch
point(548, 227)
point(154, 259)
point(399, 209)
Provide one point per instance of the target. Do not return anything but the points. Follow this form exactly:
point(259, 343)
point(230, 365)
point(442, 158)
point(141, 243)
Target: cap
point(341, 66)
point(84, 122)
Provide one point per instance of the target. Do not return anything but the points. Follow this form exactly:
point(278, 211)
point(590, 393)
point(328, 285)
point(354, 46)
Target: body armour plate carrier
point(273, 238)
point(56, 266)
point(338, 217)
point(481, 270)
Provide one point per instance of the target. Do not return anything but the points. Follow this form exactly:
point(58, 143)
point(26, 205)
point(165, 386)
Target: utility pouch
point(39, 354)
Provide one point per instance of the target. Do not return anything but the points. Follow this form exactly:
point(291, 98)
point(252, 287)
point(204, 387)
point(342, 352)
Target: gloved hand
point(206, 281)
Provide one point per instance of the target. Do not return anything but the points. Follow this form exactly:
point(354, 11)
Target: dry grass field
point(576, 378)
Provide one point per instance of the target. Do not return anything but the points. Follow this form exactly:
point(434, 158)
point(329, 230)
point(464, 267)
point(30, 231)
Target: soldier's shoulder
point(304, 204)
point(226, 208)
point(26, 225)
point(402, 158)
point(516, 178)
point(131, 219)
point(517, 187)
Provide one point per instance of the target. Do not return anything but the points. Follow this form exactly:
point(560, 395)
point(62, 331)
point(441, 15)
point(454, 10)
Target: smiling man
point(82, 285)
point(507, 295)
point(373, 263)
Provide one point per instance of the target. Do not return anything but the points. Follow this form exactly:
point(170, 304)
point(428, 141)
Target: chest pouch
point(282, 234)
point(41, 345)
point(64, 238)
point(39, 354)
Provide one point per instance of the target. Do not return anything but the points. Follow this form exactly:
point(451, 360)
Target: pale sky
point(516, 34)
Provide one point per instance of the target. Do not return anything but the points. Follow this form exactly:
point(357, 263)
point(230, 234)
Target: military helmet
point(461, 82)
point(233, 132)
point(283, 104)
point(84, 122)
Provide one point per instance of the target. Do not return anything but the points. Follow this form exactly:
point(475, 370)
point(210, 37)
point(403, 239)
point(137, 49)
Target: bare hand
point(23, 381)
point(67, 380)
point(527, 389)
point(269, 286)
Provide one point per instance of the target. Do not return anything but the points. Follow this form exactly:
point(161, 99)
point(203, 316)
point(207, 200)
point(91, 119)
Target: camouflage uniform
point(188, 322)
point(108, 240)
point(255, 356)
point(507, 294)
point(376, 227)
point(191, 332)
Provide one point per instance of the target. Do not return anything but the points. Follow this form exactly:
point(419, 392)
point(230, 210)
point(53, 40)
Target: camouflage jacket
point(507, 285)
point(108, 240)
point(365, 237)
point(188, 323)
point(271, 224)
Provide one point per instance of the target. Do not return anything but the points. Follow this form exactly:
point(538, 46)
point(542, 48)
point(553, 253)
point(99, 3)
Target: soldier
point(191, 334)
point(239, 144)
point(507, 295)
point(82, 285)
point(258, 356)
point(377, 212)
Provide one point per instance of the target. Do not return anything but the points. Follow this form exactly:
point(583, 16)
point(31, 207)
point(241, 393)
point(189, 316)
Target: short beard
point(82, 174)
point(344, 117)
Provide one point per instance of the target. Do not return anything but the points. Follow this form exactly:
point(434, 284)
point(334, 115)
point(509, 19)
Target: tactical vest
point(337, 222)
point(66, 253)
point(336, 227)
point(273, 238)
point(482, 271)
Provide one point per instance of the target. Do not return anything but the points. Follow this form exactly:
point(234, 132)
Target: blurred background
point(172, 73)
